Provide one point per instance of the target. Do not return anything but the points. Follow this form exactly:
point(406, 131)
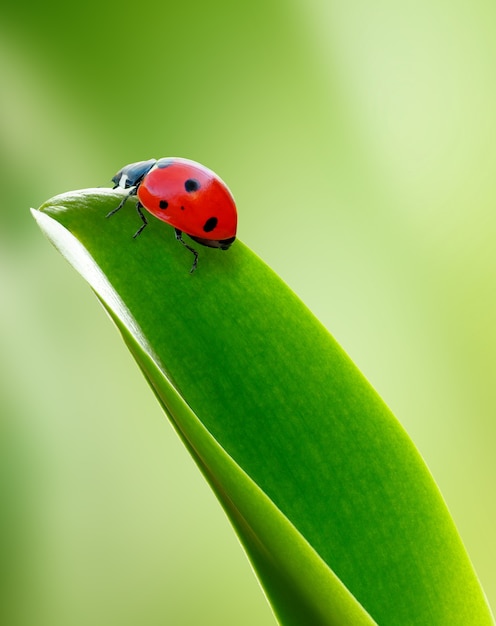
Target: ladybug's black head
point(131, 175)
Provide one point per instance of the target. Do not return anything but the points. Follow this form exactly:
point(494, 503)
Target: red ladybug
point(185, 194)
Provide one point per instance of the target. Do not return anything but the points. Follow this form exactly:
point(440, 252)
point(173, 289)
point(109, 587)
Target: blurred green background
point(359, 140)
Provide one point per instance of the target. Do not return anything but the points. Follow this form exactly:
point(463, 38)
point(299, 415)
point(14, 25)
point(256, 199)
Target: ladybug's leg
point(143, 219)
point(179, 237)
point(132, 192)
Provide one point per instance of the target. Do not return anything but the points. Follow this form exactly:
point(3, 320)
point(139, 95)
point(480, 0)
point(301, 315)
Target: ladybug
point(186, 195)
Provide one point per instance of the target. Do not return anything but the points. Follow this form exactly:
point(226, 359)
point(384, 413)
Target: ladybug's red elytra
point(186, 195)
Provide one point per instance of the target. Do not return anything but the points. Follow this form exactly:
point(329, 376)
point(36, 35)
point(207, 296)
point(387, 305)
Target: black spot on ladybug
point(210, 224)
point(161, 163)
point(182, 208)
point(163, 204)
point(191, 185)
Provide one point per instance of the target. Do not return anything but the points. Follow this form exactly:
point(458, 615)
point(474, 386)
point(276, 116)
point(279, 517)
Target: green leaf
point(336, 509)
